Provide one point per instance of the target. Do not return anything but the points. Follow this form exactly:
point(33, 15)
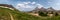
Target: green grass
point(17, 15)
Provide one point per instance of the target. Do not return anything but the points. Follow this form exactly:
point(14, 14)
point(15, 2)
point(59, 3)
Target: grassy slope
point(20, 15)
point(16, 15)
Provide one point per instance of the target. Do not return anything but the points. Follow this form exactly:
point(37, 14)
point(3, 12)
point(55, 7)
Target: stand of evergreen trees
point(42, 13)
point(45, 14)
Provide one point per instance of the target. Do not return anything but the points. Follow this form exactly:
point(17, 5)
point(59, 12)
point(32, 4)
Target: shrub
point(42, 13)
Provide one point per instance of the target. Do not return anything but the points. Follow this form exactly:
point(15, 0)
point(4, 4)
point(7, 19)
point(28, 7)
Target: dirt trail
point(11, 16)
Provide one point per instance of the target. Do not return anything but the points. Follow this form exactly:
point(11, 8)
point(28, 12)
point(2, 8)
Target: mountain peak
point(42, 8)
point(50, 9)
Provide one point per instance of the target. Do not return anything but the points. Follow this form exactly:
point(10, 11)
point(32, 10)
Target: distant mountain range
point(44, 9)
point(49, 10)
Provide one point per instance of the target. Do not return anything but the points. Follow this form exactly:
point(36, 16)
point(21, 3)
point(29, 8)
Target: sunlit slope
point(16, 15)
point(7, 14)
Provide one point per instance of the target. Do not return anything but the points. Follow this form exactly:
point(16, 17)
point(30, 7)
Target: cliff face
point(6, 5)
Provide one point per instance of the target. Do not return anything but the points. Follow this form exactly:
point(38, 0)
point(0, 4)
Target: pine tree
point(56, 14)
point(42, 13)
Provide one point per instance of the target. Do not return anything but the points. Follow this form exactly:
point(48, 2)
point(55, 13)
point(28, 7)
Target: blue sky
point(27, 5)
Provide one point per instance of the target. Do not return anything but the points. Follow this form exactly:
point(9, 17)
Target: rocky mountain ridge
point(44, 9)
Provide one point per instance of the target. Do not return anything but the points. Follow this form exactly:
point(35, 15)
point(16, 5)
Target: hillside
point(7, 14)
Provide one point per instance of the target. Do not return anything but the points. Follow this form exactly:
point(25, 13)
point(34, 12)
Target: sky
point(28, 5)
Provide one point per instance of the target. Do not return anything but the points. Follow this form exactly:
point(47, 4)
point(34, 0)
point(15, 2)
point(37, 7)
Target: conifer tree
point(56, 14)
point(42, 13)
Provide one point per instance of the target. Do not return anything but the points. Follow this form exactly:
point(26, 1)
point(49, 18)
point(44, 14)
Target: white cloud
point(39, 5)
point(20, 5)
point(23, 6)
point(33, 2)
point(26, 6)
point(26, 2)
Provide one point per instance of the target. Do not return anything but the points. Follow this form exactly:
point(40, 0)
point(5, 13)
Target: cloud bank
point(28, 5)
